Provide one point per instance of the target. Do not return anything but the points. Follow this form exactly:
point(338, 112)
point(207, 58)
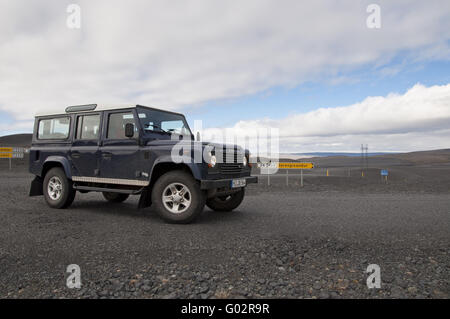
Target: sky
point(314, 70)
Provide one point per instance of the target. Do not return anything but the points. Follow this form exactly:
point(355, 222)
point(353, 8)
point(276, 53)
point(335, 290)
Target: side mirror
point(129, 130)
point(198, 136)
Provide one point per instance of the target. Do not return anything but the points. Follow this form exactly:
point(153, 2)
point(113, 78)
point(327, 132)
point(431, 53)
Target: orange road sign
point(6, 149)
point(295, 165)
point(6, 155)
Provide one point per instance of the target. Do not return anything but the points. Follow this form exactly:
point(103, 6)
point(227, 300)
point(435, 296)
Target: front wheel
point(226, 203)
point(58, 190)
point(177, 197)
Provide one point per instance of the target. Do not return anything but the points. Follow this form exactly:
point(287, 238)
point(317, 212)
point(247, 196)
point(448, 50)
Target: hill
point(23, 140)
point(420, 157)
point(424, 157)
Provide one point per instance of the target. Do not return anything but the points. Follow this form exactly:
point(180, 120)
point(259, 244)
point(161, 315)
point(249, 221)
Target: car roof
point(100, 107)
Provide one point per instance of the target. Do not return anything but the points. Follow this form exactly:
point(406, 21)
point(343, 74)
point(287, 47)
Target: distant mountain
point(425, 157)
point(420, 157)
point(328, 154)
point(23, 140)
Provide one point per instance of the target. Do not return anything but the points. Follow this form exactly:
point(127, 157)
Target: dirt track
point(282, 242)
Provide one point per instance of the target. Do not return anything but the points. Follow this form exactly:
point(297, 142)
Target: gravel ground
point(280, 243)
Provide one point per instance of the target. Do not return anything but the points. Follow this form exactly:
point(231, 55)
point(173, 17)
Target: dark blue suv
point(135, 150)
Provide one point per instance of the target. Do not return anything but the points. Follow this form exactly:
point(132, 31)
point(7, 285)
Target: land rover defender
point(129, 150)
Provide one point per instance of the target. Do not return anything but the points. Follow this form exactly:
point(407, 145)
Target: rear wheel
point(226, 203)
point(58, 190)
point(177, 197)
point(115, 197)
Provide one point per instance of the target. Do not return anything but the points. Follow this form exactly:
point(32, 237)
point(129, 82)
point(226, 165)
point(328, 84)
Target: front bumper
point(224, 183)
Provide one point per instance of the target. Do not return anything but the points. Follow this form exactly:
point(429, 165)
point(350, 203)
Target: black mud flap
point(36, 188)
point(146, 199)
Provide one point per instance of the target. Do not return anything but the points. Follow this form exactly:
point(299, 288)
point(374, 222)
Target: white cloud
point(176, 53)
point(419, 119)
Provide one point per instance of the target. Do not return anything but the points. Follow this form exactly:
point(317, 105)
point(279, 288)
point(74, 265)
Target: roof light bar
point(79, 108)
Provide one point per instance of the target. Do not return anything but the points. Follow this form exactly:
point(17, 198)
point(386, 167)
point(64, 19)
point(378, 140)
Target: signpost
point(6, 152)
point(268, 167)
point(6, 155)
point(11, 152)
point(295, 165)
point(384, 175)
point(300, 166)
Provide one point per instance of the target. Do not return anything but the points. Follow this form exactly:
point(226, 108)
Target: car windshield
point(163, 122)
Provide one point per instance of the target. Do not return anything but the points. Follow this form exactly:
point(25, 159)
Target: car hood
point(193, 144)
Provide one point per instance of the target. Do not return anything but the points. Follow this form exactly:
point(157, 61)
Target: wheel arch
point(162, 167)
point(56, 161)
point(159, 168)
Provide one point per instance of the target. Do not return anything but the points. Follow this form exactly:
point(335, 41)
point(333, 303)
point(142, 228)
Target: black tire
point(226, 203)
point(196, 197)
point(67, 193)
point(115, 197)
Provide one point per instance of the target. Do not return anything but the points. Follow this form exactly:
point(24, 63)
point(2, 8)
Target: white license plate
point(241, 182)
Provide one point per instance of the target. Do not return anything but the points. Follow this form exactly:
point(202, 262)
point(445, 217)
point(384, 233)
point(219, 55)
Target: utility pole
point(364, 158)
point(367, 156)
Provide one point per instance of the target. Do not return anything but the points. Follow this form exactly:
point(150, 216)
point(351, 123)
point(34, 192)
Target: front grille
point(232, 161)
point(229, 168)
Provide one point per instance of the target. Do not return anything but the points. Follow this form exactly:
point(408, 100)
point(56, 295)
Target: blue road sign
point(384, 172)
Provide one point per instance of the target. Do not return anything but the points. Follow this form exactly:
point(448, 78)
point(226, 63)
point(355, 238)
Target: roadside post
point(300, 166)
point(268, 167)
point(10, 153)
point(6, 152)
point(18, 152)
point(384, 175)
point(301, 178)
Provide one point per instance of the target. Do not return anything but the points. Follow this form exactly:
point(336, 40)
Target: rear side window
point(88, 127)
point(116, 125)
point(54, 129)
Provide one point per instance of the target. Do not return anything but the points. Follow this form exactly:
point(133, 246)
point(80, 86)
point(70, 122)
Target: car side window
point(54, 129)
point(116, 125)
point(88, 127)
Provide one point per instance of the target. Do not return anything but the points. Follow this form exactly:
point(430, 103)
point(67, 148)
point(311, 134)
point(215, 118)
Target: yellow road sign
point(295, 165)
point(6, 149)
point(6, 155)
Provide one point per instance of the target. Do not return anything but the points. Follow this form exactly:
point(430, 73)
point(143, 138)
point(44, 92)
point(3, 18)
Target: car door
point(120, 158)
point(84, 152)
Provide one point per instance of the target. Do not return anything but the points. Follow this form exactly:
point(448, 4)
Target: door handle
point(75, 155)
point(106, 155)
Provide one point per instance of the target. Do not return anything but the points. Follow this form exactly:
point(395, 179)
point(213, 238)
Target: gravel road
point(277, 244)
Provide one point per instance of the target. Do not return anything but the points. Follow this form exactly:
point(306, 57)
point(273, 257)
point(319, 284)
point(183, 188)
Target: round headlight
point(212, 160)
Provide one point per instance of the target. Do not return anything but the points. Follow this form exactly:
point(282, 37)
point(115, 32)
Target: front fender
point(187, 161)
point(60, 160)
